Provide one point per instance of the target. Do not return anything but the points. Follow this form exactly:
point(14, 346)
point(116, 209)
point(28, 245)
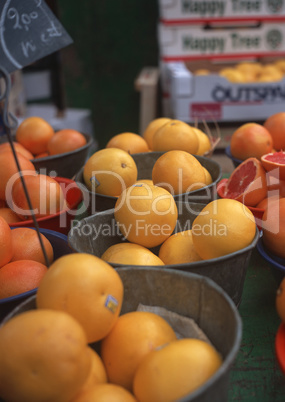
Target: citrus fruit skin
point(247, 183)
point(6, 243)
point(223, 226)
point(178, 249)
point(46, 196)
point(178, 172)
point(275, 161)
point(175, 370)
point(20, 276)
point(86, 287)
point(146, 214)
point(152, 127)
point(250, 140)
point(134, 335)
point(275, 124)
point(9, 215)
point(27, 246)
point(204, 142)
point(44, 357)
point(129, 142)
point(18, 149)
point(97, 375)
point(175, 135)
point(105, 393)
point(34, 134)
point(273, 226)
point(130, 254)
point(8, 169)
point(65, 140)
point(109, 171)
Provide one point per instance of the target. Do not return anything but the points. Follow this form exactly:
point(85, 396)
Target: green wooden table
point(255, 375)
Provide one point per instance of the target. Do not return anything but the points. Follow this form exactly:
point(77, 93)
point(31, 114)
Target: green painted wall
point(113, 41)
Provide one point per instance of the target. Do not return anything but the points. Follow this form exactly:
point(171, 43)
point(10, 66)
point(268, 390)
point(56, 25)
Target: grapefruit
point(275, 160)
point(275, 124)
point(247, 183)
point(251, 140)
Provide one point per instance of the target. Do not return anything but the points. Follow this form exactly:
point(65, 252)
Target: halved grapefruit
point(247, 183)
point(275, 160)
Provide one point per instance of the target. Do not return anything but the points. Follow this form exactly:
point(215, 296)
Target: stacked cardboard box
point(213, 35)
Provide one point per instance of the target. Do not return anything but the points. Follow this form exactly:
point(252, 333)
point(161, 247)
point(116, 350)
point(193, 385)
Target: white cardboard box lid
point(205, 10)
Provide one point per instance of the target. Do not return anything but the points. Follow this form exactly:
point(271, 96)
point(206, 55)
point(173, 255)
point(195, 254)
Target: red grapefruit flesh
point(275, 160)
point(247, 183)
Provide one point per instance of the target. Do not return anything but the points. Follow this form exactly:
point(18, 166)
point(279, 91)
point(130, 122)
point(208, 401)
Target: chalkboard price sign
point(29, 31)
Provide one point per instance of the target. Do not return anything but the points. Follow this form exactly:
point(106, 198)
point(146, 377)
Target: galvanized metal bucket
point(94, 234)
point(192, 296)
point(67, 164)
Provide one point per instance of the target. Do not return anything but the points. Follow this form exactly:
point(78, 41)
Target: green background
point(113, 41)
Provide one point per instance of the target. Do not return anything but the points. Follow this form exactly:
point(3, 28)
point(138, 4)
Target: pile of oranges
point(77, 346)
point(22, 261)
point(112, 169)
point(259, 180)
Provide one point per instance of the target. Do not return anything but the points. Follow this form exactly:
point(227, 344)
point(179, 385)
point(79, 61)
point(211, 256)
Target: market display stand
point(256, 375)
point(210, 35)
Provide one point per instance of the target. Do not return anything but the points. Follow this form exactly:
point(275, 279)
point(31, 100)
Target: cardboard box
point(196, 42)
point(215, 99)
point(176, 11)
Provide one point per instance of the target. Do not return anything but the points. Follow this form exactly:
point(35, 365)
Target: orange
point(273, 226)
point(247, 183)
point(174, 135)
point(109, 171)
point(41, 155)
point(178, 249)
point(232, 74)
point(45, 354)
point(146, 214)
point(9, 215)
point(178, 172)
point(6, 245)
point(263, 204)
point(146, 181)
point(130, 254)
point(86, 287)
point(9, 170)
point(275, 162)
point(249, 70)
point(27, 246)
point(106, 393)
point(45, 193)
point(65, 140)
point(174, 371)
point(134, 335)
point(204, 142)
point(20, 276)
point(152, 127)
point(97, 375)
point(129, 142)
point(18, 148)
point(280, 300)
point(223, 227)
point(251, 140)
point(34, 134)
point(208, 177)
point(275, 185)
point(275, 124)
point(270, 72)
